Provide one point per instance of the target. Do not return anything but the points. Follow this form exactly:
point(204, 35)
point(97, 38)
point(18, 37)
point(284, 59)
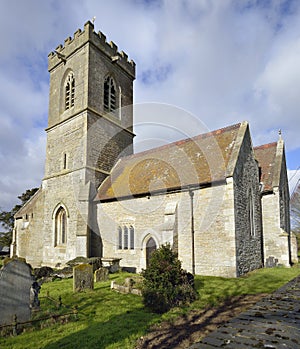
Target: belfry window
point(69, 91)
point(126, 237)
point(60, 227)
point(109, 95)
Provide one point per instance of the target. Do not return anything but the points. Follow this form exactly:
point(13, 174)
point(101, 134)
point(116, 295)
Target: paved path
point(273, 323)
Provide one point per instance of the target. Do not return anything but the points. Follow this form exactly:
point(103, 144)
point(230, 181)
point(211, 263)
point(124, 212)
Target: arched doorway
point(150, 248)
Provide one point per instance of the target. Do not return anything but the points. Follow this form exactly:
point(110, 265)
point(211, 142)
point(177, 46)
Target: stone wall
point(276, 240)
point(28, 241)
point(294, 248)
point(275, 212)
point(247, 210)
point(213, 225)
point(89, 57)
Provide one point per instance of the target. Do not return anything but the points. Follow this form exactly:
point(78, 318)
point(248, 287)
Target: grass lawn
point(109, 320)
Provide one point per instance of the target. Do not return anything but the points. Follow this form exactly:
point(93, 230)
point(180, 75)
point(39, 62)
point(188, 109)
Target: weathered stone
point(16, 287)
point(101, 274)
point(129, 282)
point(83, 278)
point(113, 264)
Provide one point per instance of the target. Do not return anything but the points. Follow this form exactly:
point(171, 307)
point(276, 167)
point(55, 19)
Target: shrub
point(166, 284)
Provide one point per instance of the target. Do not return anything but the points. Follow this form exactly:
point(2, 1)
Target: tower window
point(109, 95)
point(69, 91)
point(60, 227)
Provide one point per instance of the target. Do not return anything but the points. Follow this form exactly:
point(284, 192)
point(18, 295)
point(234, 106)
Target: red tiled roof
point(194, 161)
point(265, 155)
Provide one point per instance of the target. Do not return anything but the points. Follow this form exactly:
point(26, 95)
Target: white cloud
point(224, 61)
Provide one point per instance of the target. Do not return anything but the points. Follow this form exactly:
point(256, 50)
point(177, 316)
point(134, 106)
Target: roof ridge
point(267, 145)
point(185, 140)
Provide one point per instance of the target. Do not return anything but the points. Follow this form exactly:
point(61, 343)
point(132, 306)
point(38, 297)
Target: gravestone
point(271, 262)
point(101, 274)
point(83, 277)
point(16, 281)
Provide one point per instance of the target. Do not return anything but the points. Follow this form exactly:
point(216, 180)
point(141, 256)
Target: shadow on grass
point(126, 326)
point(189, 329)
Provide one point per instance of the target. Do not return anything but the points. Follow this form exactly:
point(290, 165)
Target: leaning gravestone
point(16, 282)
point(83, 277)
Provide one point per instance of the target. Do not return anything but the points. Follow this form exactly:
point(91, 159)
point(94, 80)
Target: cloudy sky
point(219, 61)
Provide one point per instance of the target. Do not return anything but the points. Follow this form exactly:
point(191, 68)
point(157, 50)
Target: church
point(222, 204)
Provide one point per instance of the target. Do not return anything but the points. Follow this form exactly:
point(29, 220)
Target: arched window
point(60, 227)
point(126, 237)
point(109, 95)
point(120, 238)
point(69, 91)
point(131, 231)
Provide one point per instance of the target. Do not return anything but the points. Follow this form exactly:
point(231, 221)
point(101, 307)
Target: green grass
point(109, 320)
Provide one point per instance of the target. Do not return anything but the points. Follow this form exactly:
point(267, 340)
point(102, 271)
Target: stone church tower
point(89, 127)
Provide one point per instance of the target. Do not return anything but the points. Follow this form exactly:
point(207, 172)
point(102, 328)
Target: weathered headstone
point(83, 277)
point(271, 262)
point(16, 281)
point(101, 274)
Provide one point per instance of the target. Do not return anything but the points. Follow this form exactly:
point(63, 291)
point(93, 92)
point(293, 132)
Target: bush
point(166, 284)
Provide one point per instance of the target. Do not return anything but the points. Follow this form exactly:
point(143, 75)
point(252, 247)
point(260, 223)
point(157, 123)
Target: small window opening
point(65, 161)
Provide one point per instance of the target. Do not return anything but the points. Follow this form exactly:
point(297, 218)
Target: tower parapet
point(80, 38)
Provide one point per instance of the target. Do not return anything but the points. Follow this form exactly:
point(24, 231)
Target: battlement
point(80, 38)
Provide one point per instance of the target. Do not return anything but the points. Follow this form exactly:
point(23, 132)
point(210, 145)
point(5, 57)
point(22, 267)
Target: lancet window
point(109, 95)
point(69, 91)
point(126, 237)
point(60, 227)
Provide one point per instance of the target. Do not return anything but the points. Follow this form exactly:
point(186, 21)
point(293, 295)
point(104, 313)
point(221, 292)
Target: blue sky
point(218, 62)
